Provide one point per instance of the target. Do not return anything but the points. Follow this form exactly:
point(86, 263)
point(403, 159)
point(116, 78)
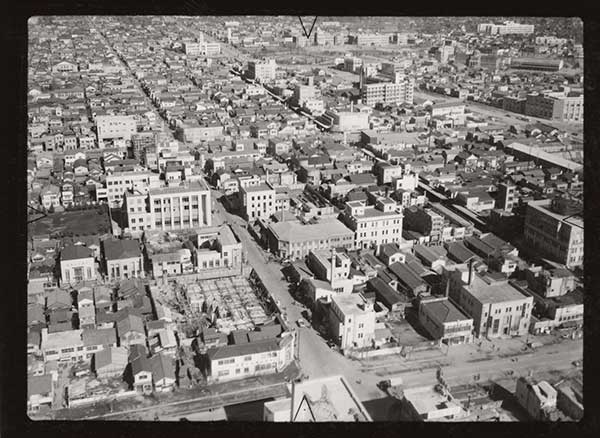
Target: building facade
point(374, 225)
point(169, 208)
point(554, 231)
point(352, 321)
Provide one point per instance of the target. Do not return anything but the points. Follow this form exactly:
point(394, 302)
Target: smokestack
point(470, 272)
point(332, 265)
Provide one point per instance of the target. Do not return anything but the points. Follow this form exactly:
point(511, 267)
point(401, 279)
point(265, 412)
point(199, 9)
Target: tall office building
point(401, 91)
point(173, 207)
point(262, 71)
point(555, 229)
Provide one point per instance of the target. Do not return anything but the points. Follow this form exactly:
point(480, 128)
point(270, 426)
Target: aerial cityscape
point(305, 219)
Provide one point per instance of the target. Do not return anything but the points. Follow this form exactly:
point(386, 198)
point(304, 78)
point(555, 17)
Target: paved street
point(151, 106)
point(460, 364)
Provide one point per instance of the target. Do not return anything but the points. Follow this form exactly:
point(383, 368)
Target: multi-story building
point(555, 228)
point(352, 321)
point(294, 240)
point(369, 39)
point(424, 221)
point(253, 358)
point(444, 321)
point(115, 127)
point(562, 106)
point(506, 196)
point(373, 225)
point(117, 183)
point(76, 345)
point(218, 247)
point(498, 308)
point(262, 71)
point(332, 267)
point(77, 264)
point(388, 93)
point(507, 28)
point(347, 121)
point(258, 201)
point(174, 207)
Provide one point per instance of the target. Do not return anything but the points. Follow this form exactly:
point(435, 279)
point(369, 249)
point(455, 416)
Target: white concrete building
point(77, 264)
point(352, 321)
point(173, 207)
point(115, 127)
point(374, 225)
point(258, 201)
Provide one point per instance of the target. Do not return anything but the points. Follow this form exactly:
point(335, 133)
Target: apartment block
point(388, 93)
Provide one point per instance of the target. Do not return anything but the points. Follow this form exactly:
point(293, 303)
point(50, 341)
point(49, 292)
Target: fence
point(101, 397)
point(243, 270)
point(366, 354)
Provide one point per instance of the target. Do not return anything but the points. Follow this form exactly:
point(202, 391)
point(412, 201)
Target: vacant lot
point(84, 222)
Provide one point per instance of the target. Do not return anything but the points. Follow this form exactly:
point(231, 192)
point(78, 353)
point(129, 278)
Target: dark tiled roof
point(444, 311)
point(99, 336)
point(458, 252)
point(406, 276)
point(227, 351)
point(121, 249)
point(384, 292)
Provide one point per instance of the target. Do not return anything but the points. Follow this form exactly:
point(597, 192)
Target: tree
point(51, 209)
point(209, 167)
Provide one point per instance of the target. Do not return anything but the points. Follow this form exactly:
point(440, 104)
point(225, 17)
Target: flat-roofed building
point(554, 231)
point(389, 93)
point(328, 399)
point(561, 106)
point(240, 361)
point(374, 225)
point(294, 240)
point(498, 308)
point(173, 207)
point(262, 71)
point(117, 183)
point(444, 321)
point(427, 404)
point(115, 127)
point(258, 201)
point(352, 321)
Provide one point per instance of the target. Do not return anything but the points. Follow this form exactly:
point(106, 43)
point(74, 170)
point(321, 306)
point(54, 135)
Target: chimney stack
point(470, 272)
